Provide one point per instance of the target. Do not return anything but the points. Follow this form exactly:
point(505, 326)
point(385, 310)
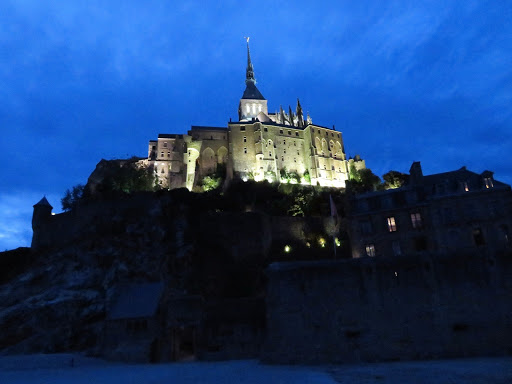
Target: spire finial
point(249, 73)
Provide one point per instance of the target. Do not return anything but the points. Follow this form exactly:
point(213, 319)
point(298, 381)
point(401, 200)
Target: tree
point(72, 198)
point(211, 183)
point(395, 179)
point(363, 180)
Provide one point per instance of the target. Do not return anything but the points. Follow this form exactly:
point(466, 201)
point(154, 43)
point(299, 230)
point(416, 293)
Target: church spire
point(249, 73)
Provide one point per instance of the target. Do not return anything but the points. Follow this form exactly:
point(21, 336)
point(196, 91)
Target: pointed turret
point(300, 115)
point(252, 102)
point(249, 72)
point(41, 215)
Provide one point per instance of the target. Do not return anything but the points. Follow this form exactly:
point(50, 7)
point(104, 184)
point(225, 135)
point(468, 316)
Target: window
point(245, 149)
point(488, 182)
point(395, 245)
point(168, 154)
point(284, 142)
point(154, 147)
point(296, 133)
point(281, 131)
point(270, 154)
point(245, 139)
point(265, 129)
point(289, 132)
point(284, 151)
point(478, 237)
point(298, 152)
point(391, 224)
point(242, 128)
point(165, 145)
point(416, 220)
point(161, 154)
point(370, 250)
point(312, 130)
point(366, 227)
point(466, 186)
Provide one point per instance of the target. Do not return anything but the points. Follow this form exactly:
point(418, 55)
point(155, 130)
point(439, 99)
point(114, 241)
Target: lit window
point(466, 186)
point(397, 251)
point(248, 108)
point(370, 250)
point(488, 182)
point(416, 221)
point(391, 224)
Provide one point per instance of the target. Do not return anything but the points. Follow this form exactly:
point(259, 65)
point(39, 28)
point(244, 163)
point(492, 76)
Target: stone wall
point(389, 309)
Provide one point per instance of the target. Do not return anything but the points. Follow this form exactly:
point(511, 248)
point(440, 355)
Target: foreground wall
point(389, 309)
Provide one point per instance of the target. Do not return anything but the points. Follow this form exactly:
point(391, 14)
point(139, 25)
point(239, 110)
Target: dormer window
point(488, 182)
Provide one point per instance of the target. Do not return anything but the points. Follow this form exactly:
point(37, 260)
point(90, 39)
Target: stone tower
point(252, 101)
point(42, 214)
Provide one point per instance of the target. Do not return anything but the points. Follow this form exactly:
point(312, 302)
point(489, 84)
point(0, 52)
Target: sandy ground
point(66, 368)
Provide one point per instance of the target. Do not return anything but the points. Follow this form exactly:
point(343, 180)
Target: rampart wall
point(380, 309)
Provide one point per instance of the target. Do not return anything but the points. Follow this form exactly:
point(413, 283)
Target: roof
point(135, 301)
point(273, 123)
point(43, 203)
point(170, 136)
point(251, 92)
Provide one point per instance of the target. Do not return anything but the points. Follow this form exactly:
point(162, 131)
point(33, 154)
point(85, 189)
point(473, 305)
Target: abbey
point(260, 145)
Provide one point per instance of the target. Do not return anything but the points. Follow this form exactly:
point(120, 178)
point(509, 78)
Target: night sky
point(404, 81)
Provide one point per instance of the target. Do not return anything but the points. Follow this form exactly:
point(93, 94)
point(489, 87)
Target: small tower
point(252, 101)
point(42, 214)
point(416, 174)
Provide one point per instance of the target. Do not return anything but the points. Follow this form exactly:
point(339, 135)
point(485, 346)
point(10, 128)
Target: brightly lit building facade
point(278, 147)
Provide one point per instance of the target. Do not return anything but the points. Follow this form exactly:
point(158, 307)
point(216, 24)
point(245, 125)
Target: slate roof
point(43, 202)
point(251, 92)
point(135, 301)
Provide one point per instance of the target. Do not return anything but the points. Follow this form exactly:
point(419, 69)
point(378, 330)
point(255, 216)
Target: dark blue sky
point(404, 81)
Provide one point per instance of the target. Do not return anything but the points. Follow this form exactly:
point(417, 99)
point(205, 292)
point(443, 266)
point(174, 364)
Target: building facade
point(261, 145)
point(445, 213)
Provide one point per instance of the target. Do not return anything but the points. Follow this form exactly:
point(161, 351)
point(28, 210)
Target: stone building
point(261, 145)
point(457, 211)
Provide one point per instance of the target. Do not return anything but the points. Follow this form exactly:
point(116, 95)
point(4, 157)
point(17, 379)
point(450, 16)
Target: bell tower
point(252, 101)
